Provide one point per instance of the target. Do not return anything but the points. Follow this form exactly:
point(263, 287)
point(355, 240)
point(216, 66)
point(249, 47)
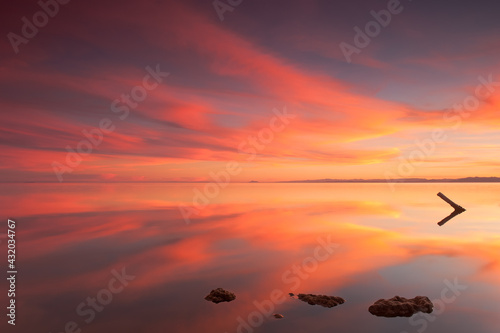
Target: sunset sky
point(266, 92)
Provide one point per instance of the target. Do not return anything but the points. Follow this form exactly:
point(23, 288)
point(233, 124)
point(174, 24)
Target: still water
point(121, 257)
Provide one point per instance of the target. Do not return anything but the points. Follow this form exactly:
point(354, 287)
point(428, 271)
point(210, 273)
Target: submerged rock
point(323, 300)
point(220, 295)
point(401, 307)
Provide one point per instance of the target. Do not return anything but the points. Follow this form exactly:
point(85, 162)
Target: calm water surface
point(358, 241)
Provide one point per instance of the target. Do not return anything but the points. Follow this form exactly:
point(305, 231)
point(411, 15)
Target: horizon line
point(472, 179)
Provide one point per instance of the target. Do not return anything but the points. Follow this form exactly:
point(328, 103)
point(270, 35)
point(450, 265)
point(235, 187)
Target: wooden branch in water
point(452, 204)
point(458, 209)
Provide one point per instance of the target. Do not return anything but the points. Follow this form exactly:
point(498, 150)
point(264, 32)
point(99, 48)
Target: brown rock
point(400, 306)
point(323, 300)
point(278, 316)
point(220, 295)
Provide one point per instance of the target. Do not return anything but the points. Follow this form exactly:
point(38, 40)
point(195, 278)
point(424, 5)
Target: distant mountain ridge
point(325, 180)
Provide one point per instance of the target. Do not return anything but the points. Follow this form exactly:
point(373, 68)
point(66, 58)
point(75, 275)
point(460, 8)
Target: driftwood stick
point(452, 204)
point(458, 209)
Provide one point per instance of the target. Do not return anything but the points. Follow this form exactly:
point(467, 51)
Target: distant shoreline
point(309, 181)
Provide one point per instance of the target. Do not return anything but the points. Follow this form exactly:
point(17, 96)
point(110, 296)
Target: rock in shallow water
point(401, 307)
point(323, 300)
point(220, 295)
